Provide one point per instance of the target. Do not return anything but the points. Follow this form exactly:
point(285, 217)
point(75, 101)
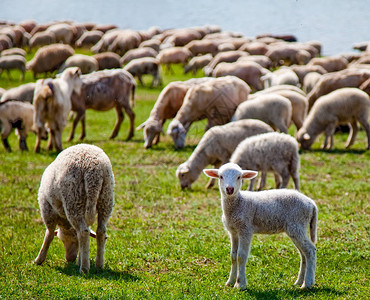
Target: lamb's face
point(304, 139)
point(185, 176)
point(178, 133)
point(151, 130)
point(70, 241)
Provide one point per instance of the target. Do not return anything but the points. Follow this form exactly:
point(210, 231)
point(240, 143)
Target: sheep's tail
point(93, 186)
point(313, 225)
point(132, 99)
point(47, 90)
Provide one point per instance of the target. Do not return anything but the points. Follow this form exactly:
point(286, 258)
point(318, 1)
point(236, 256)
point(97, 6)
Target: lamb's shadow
point(335, 151)
point(71, 269)
point(292, 293)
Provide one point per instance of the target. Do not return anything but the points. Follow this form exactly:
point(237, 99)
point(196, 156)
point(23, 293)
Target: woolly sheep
point(75, 188)
point(152, 43)
point(342, 106)
point(329, 63)
point(18, 115)
point(262, 60)
point(13, 51)
point(89, 38)
point(63, 32)
point(86, 63)
point(145, 65)
point(167, 105)
point(174, 55)
point(284, 75)
point(49, 58)
point(23, 93)
point(302, 71)
point(197, 62)
point(42, 38)
point(268, 212)
point(272, 109)
point(108, 60)
point(216, 148)
point(138, 53)
point(10, 62)
point(125, 40)
point(270, 152)
point(216, 100)
point(229, 56)
point(310, 80)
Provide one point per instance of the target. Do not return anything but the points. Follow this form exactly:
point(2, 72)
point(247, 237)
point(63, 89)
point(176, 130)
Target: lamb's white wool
point(270, 152)
point(246, 213)
point(75, 188)
point(284, 75)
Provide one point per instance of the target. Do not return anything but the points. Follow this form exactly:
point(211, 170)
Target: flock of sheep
point(253, 91)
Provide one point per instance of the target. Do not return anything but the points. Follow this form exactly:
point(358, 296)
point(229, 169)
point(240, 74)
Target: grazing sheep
point(49, 58)
point(89, 38)
point(284, 75)
point(272, 109)
point(106, 40)
point(137, 53)
point(254, 48)
point(10, 62)
point(86, 63)
point(281, 87)
point(197, 62)
point(42, 38)
point(216, 148)
point(174, 55)
point(22, 93)
point(204, 46)
point(52, 102)
point(336, 80)
point(268, 212)
point(152, 43)
point(342, 106)
point(251, 72)
point(302, 71)
point(63, 32)
point(183, 36)
point(13, 51)
point(366, 86)
point(75, 188)
point(125, 40)
point(286, 53)
point(216, 100)
point(329, 63)
point(262, 60)
point(227, 57)
point(167, 105)
point(108, 60)
point(102, 91)
point(18, 115)
point(274, 152)
point(145, 65)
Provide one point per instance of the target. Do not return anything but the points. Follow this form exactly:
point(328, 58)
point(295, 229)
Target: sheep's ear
point(141, 126)
point(213, 173)
point(185, 170)
point(247, 174)
point(55, 232)
point(306, 137)
point(92, 234)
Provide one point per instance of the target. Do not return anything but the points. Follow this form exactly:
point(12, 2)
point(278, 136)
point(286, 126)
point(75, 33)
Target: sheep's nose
point(229, 190)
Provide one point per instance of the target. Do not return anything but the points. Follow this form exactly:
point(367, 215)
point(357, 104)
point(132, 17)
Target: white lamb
point(216, 148)
point(246, 213)
point(75, 187)
point(270, 152)
point(272, 109)
point(284, 75)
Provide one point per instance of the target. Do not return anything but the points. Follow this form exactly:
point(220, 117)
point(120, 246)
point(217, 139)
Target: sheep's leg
point(251, 184)
point(156, 139)
point(295, 176)
point(83, 236)
point(83, 127)
point(366, 126)
point(282, 127)
point(353, 129)
point(329, 136)
point(285, 176)
point(101, 238)
point(58, 140)
point(38, 142)
point(6, 145)
point(117, 126)
point(131, 116)
point(242, 258)
point(308, 265)
point(140, 80)
point(49, 236)
point(77, 119)
point(262, 181)
point(5, 131)
point(234, 239)
point(8, 71)
point(278, 181)
point(23, 143)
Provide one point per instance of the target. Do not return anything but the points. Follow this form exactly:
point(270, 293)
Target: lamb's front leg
point(242, 258)
point(233, 254)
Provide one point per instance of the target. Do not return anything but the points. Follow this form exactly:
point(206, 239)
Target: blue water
point(338, 24)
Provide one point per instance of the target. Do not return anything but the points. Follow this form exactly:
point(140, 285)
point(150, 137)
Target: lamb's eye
point(238, 177)
point(221, 177)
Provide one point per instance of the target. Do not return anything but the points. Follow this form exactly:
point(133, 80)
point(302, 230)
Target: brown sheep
point(329, 63)
point(138, 53)
point(145, 65)
point(89, 38)
point(174, 55)
point(230, 56)
point(49, 58)
point(40, 39)
point(108, 60)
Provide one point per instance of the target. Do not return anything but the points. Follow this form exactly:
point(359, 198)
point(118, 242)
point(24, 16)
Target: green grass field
point(165, 243)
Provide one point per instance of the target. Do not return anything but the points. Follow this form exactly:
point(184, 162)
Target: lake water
point(337, 24)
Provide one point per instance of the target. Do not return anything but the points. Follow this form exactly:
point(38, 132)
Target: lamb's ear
point(92, 234)
point(55, 232)
point(306, 137)
point(141, 126)
point(247, 174)
point(213, 173)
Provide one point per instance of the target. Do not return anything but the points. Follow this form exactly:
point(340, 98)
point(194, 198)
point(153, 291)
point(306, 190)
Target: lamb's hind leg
point(233, 255)
point(117, 126)
point(131, 116)
point(353, 129)
point(307, 249)
point(366, 126)
point(49, 236)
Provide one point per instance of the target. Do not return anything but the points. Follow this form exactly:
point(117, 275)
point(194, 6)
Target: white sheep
point(18, 115)
point(246, 213)
point(75, 188)
point(272, 109)
point(270, 152)
point(342, 106)
point(216, 148)
point(284, 75)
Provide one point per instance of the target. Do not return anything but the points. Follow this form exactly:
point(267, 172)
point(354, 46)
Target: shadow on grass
point(292, 293)
point(335, 151)
point(71, 269)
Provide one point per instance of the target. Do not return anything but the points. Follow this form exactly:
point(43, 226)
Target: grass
point(166, 243)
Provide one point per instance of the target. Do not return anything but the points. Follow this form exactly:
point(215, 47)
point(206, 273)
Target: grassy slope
point(168, 243)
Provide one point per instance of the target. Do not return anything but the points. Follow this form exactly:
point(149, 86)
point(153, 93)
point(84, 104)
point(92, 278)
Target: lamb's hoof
point(230, 283)
point(306, 285)
point(240, 286)
point(84, 270)
point(38, 262)
point(298, 282)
